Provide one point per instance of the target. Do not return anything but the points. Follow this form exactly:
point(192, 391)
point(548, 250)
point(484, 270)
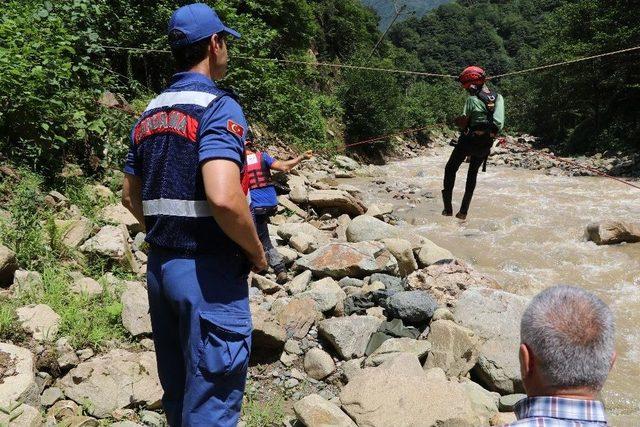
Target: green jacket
point(475, 109)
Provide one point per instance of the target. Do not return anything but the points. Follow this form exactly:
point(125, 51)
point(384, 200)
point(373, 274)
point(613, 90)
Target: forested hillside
point(58, 58)
point(386, 9)
point(586, 106)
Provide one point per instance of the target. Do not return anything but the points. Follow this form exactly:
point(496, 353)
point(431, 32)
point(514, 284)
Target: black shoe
point(462, 216)
point(447, 213)
point(446, 200)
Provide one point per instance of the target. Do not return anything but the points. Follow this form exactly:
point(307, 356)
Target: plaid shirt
point(559, 412)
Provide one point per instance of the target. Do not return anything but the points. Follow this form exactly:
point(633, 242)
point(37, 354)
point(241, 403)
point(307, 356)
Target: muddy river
point(526, 229)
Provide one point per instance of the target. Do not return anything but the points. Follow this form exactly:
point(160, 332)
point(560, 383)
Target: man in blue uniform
point(264, 200)
point(182, 180)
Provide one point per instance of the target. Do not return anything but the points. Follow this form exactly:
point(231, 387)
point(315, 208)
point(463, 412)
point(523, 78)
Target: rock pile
point(376, 325)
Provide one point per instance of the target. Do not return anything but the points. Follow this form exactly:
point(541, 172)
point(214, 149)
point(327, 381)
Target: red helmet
point(472, 76)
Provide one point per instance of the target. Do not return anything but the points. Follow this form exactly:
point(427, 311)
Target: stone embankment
point(376, 326)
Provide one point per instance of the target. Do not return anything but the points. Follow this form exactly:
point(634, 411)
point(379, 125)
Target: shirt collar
point(562, 408)
point(189, 77)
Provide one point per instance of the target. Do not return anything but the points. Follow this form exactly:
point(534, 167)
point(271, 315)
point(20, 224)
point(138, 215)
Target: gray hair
point(571, 332)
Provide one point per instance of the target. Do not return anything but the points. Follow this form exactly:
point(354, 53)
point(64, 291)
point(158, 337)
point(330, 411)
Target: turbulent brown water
point(526, 230)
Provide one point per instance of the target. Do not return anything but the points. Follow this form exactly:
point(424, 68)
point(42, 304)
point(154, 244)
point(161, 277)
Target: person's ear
point(526, 361)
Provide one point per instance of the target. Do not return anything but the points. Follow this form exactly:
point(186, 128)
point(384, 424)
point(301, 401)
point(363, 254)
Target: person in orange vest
point(264, 200)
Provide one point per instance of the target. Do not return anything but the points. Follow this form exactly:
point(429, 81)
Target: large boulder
point(288, 204)
point(365, 228)
point(346, 163)
point(495, 317)
point(299, 283)
point(112, 242)
point(297, 317)
point(40, 320)
point(118, 215)
point(8, 265)
point(316, 411)
point(358, 260)
point(349, 336)
point(445, 282)
point(17, 376)
point(430, 253)
point(402, 251)
point(74, 232)
point(25, 281)
point(116, 380)
point(612, 232)
point(454, 348)
point(298, 189)
point(411, 306)
point(21, 416)
point(326, 293)
point(391, 347)
point(399, 393)
point(135, 309)
point(337, 200)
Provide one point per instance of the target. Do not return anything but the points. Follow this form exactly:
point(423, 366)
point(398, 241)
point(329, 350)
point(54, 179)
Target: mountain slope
point(417, 8)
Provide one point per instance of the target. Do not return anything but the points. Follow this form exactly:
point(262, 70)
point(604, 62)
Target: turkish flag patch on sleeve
point(235, 128)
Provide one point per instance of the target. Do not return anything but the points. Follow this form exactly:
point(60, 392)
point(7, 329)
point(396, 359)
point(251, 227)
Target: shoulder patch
point(235, 128)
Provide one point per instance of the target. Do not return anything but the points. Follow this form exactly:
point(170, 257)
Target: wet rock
point(40, 320)
point(508, 402)
point(74, 232)
point(454, 348)
point(379, 210)
point(338, 200)
point(349, 335)
point(298, 316)
point(430, 253)
point(391, 347)
point(339, 260)
point(268, 335)
point(120, 215)
point(135, 309)
point(411, 306)
point(399, 393)
point(402, 251)
point(326, 293)
point(111, 242)
point(299, 283)
point(495, 317)
point(346, 163)
point(8, 265)
point(318, 364)
point(315, 411)
point(265, 285)
point(445, 282)
point(51, 396)
point(17, 374)
point(115, 380)
point(613, 232)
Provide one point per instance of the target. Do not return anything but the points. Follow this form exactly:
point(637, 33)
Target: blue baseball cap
point(195, 22)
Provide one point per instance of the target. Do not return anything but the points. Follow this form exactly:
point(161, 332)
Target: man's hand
point(307, 154)
point(258, 261)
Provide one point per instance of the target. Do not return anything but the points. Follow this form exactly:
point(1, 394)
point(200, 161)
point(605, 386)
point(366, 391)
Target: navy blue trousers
point(202, 334)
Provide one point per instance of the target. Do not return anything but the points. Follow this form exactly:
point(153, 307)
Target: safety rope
point(572, 163)
point(571, 61)
point(296, 62)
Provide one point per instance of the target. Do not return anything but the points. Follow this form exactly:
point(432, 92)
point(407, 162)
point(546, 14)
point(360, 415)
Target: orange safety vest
point(257, 171)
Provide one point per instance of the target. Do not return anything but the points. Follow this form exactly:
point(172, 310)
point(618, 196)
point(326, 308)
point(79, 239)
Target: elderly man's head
point(567, 337)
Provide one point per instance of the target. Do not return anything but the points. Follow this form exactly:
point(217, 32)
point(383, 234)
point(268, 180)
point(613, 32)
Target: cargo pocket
point(226, 343)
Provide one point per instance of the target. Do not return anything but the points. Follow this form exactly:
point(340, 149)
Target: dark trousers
point(273, 256)
point(460, 152)
point(201, 325)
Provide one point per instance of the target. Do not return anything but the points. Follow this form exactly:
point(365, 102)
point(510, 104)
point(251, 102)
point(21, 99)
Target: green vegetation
point(262, 413)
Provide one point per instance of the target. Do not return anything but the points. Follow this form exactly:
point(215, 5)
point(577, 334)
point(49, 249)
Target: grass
point(87, 321)
point(256, 413)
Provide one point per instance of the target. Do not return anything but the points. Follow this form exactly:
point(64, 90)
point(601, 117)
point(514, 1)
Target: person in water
point(482, 118)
